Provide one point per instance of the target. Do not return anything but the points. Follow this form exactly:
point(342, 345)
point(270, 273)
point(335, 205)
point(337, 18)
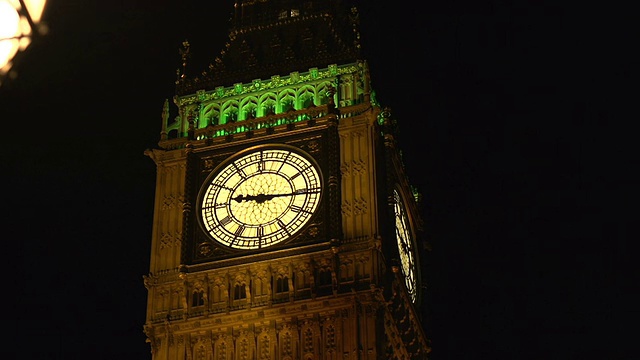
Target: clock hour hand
point(260, 198)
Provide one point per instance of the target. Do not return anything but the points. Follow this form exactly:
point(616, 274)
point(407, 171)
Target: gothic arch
point(222, 349)
point(267, 104)
point(306, 96)
point(287, 100)
point(322, 92)
point(248, 108)
point(229, 112)
point(209, 115)
point(245, 346)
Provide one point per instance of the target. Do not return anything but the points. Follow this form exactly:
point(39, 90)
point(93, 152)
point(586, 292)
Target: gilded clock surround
point(207, 161)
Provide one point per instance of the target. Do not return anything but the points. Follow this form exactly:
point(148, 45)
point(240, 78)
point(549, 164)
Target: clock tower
point(284, 224)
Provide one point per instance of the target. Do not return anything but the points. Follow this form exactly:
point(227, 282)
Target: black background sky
point(500, 130)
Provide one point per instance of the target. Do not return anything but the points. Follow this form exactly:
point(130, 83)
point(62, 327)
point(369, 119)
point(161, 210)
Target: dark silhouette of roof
point(277, 37)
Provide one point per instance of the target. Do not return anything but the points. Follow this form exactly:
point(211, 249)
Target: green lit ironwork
point(263, 104)
point(276, 81)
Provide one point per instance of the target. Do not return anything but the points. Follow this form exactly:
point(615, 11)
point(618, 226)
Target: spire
point(260, 12)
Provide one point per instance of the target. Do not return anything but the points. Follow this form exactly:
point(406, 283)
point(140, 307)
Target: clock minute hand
point(260, 198)
point(297, 192)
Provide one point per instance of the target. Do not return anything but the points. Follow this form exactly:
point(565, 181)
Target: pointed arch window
point(282, 284)
point(239, 292)
point(197, 298)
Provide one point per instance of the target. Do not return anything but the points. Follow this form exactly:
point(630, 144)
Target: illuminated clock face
point(260, 197)
point(405, 245)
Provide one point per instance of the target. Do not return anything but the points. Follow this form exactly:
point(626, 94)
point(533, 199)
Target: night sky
point(504, 112)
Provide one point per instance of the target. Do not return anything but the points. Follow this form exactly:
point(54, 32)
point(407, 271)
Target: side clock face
point(405, 244)
point(260, 197)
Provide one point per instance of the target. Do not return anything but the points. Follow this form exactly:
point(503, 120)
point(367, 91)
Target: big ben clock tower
point(284, 224)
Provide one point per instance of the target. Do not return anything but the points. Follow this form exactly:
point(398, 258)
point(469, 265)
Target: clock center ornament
point(260, 197)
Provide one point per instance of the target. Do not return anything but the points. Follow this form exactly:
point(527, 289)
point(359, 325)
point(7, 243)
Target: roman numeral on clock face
point(240, 171)
point(225, 220)
point(296, 208)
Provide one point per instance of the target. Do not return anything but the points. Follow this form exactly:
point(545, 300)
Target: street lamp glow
point(19, 21)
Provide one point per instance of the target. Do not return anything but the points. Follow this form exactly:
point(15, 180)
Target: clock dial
point(260, 198)
point(405, 245)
